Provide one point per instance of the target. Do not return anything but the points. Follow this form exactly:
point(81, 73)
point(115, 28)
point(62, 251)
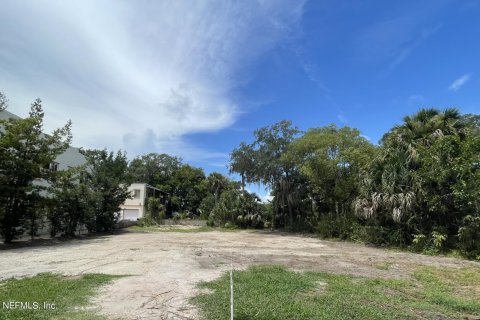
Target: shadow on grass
point(60, 241)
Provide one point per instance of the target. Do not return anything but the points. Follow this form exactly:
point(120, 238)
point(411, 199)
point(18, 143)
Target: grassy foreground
point(49, 296)
point(273, 292)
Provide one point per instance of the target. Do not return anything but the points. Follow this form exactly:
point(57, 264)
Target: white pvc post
point(231, 294)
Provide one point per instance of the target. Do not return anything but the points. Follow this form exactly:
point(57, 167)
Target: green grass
point(383, 265)
point(273, 292)
point(176, 229)
point(68, 294)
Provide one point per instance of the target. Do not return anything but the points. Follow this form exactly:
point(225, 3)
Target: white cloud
point(136, 75)
point(458, 83)
point(366, 137)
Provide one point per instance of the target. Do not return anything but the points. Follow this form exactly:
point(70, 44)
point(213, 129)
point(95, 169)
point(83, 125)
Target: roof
point(69, 158)
point(4, 115)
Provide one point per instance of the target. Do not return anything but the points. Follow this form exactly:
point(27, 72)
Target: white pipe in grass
point(231, 292)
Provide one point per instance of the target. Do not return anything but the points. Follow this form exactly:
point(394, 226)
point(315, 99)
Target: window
point(136, 194)
point(53, 166)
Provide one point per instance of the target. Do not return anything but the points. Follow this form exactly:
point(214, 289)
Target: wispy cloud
point(136, 75)
point(393, 39)
point(341, 116)
point(366, 137)
point(460, 82)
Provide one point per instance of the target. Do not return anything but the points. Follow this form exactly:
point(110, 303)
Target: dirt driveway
point(165, 266)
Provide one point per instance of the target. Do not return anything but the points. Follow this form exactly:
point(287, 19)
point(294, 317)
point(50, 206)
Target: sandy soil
point(165, 266)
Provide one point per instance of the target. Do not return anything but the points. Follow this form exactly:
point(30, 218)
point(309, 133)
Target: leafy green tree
point(25, 156)
point(331, 159)
point(242, 162)
point(154, 169)
point(72, 202)
point(277, 171)
point(106, 177)
point(3, 101)
point(188, 188)
point(206, 206)
point(216, 183)
point(227, 208)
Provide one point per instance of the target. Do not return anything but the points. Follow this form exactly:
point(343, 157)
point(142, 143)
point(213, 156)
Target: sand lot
point(165, 266)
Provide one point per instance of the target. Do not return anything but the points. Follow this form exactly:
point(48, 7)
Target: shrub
point(419, 242)
point(359, 233)
point(438, 240)
point(146, 222)
point(469, 236)
point(206, 206)
point(155, 210)
point(339, 227)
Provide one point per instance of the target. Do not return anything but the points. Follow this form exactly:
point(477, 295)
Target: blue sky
point(194, 79)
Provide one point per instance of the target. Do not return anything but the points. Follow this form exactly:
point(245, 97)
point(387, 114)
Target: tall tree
point(71, 204)
point(410, 182)
point(153, 168)
point(331, 159)
point(217, 183)
point(242, 162)
point(25, 156)
point(106, 177)
point(3, 101)
point(275, 170)
point(188, 188)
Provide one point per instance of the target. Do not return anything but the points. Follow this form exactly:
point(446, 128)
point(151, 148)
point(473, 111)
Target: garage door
point(130, 214)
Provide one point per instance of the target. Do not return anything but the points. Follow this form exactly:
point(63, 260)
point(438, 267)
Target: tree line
point(420, 187)
point(34, 195)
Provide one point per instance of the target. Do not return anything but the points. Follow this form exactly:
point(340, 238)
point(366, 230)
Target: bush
point(146, 222)
point(155, 210)
point(206, 206)
point(339, 227)
point(469, 236)
point(438, 240)
point(203, 215)
point(430, 245)
point(359, 233)
point(419, 242)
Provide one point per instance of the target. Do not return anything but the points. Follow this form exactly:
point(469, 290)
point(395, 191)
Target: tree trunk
point(290, 214)
point(243, 183)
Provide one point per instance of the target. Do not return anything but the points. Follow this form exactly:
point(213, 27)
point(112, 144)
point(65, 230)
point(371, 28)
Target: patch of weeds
point(273, 292)
point(383, 265)
point(50, 296)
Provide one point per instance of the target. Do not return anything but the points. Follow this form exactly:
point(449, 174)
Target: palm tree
point(394, 187)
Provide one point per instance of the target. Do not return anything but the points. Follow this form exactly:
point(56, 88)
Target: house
point(71, 158)
point(132, 209)
point(135, 207)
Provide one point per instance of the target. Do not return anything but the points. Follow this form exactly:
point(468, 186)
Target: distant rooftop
point(8, 115)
